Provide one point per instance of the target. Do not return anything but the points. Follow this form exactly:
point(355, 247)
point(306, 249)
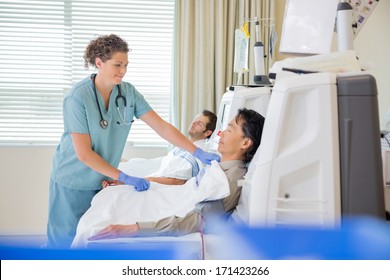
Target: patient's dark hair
point(212, 120)
point(252, 124)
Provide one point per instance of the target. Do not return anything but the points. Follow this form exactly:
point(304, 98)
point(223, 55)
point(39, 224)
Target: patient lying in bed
point(120, 211)
point(178, 165)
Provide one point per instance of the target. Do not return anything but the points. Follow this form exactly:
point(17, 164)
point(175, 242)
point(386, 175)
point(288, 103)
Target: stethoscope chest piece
point(103, 123)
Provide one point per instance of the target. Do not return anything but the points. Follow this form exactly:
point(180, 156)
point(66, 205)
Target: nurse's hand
point(139, 184)
point(205, 157)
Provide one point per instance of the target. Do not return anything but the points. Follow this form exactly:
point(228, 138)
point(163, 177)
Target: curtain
point(204, 51)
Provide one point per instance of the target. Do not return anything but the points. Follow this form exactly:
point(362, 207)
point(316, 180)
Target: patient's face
point(197, 128)
point(231, 141)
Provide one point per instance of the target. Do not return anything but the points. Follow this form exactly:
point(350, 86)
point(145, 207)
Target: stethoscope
point(104, 123)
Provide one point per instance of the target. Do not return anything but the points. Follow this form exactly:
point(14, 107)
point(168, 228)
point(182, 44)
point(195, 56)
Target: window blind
point(41, 53)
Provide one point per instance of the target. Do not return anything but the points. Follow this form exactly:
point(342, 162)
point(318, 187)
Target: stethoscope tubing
point(104, 123)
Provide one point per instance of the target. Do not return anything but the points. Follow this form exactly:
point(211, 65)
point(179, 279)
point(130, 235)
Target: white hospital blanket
point(124, 205)
point(140, 167)
point(179, 164)
point(169, 166)
point(176, 164)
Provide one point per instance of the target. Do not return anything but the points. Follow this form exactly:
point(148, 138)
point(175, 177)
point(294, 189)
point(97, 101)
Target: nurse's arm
point(168, 131)
point(85, 154)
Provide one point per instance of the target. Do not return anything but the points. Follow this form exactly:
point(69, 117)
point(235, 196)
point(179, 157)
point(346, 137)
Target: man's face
point(232, 142)
point(197, 128)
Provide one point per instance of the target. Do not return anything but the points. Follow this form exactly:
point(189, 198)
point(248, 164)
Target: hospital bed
point(319, 159)
point(193, 245)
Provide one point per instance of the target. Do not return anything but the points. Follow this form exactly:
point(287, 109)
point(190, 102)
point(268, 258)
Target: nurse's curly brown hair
point(104, 47)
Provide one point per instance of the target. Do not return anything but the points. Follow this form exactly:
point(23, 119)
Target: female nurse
point(98, 114)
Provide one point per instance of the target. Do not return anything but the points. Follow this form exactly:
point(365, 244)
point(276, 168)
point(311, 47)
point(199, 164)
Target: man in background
point(179, 165)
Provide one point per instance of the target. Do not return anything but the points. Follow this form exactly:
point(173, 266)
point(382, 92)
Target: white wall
point(24, 187)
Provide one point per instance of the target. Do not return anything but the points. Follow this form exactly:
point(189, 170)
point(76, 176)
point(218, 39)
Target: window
point(41, 53)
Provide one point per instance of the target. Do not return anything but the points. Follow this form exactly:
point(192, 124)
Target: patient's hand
point(166, 180)
point(116, 231)
point(108, 183)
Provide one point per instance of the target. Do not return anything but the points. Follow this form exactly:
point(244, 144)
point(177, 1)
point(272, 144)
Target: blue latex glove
point(205, 157)
point(139, 184)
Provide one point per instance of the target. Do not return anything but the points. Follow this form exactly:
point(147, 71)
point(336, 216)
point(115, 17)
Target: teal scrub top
point(81, 115)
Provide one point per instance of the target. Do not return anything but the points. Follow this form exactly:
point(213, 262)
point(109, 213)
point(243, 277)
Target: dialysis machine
point(319, 159)
point(320, 156)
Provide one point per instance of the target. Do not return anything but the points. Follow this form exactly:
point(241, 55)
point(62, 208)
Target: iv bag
point(241, 48)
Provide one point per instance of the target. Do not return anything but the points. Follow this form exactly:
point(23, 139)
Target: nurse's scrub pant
point(66, 206)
